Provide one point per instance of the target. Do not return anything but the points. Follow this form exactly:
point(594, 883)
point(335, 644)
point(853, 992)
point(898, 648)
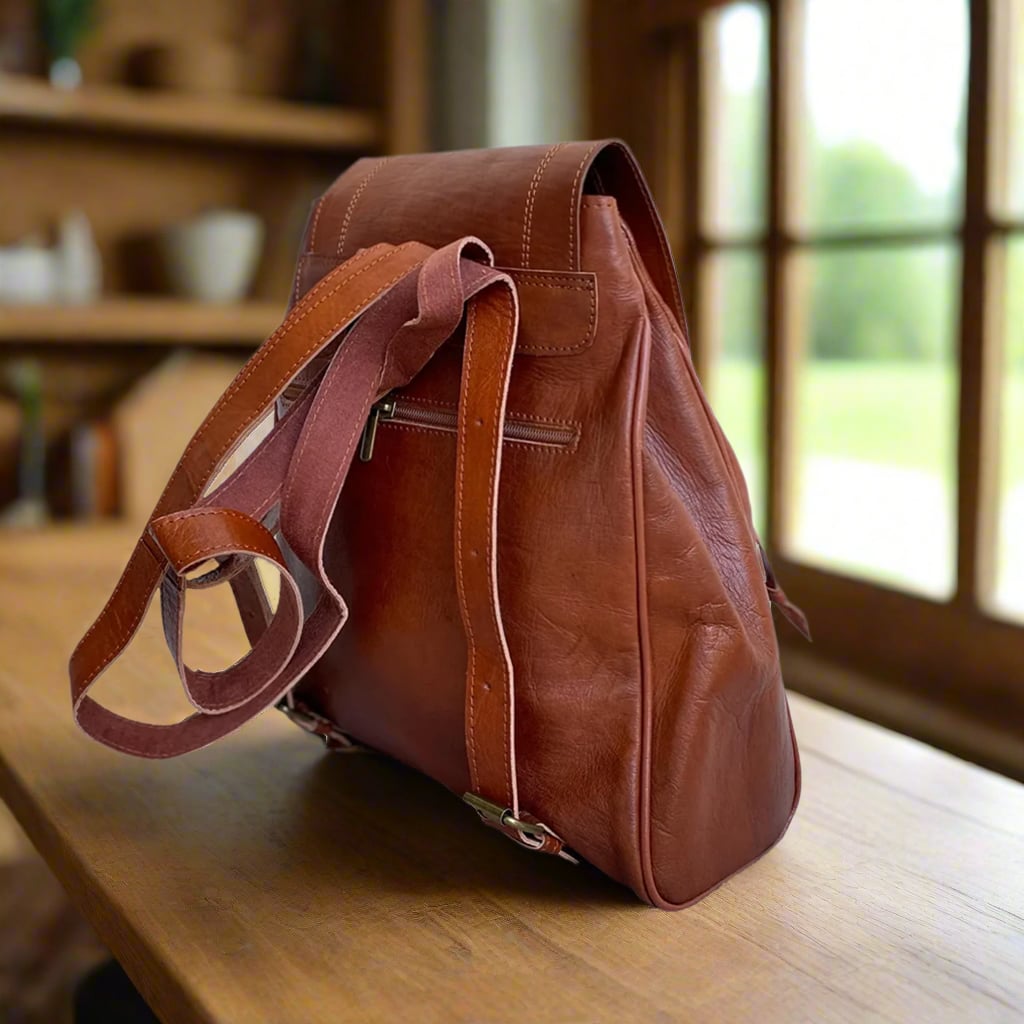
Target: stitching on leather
point(299, 271)
point(316, 221)
point(492, 583)
point(540, 280)
point(471, 646)
point(174, 523)
point(253, 549)
point(467, 617)
point(532, 350)
point(182, 515)
point(534, 446)
point(587, 338)
point(599, 203)
point(573, 255)
point(264, 352)
point(536, 280)
point(367, 178)
point(93, 673)
point(443, 406)
point(531, 197)
point(453, 407)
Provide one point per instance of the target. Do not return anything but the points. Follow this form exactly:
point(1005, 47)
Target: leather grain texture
point(571, 619)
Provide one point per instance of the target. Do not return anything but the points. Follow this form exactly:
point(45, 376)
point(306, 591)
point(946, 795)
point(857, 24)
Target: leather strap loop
point(189, 538)
point(192, 537)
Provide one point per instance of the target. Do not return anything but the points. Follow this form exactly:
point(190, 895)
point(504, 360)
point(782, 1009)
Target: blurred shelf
point(141, 321)
point(261, 122)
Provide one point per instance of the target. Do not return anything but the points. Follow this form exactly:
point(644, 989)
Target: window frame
point(949, 671)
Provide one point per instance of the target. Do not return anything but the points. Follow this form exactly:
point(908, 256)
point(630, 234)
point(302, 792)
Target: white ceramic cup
point(28, 274)
point(213, 257)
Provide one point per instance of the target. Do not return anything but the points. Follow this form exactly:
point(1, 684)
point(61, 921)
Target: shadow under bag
point(515, 547)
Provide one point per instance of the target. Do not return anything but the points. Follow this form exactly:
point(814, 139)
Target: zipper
point(393, 409)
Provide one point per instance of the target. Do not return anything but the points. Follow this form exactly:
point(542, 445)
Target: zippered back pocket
point(404, 410)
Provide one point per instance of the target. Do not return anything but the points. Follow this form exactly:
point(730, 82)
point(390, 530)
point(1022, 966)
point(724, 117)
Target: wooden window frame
point(948, 671)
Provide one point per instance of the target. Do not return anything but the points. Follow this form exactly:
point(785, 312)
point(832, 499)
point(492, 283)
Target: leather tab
point(189, 538)
point(557, 312)
point(557, 309)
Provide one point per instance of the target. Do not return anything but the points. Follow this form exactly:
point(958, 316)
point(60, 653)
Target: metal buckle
point(333, 738)
point(503, 816)
point(525, 831)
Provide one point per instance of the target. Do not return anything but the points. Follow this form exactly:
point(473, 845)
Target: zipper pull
point(382, 410)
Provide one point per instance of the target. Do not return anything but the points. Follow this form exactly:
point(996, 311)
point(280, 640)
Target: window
point(871, 272)
point(847, 211)
point(873, 283)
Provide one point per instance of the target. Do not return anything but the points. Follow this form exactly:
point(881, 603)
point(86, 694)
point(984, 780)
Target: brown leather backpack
point(493, 464)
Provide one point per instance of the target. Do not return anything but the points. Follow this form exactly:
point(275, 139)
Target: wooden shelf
point(260, 122)
point(141, 321)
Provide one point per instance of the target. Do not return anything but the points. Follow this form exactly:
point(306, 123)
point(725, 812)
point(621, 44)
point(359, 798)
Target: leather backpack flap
point(523, 201)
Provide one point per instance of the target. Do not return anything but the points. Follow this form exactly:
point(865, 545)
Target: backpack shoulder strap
point(180, 535)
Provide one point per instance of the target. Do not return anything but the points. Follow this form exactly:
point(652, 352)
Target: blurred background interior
point(843, 185)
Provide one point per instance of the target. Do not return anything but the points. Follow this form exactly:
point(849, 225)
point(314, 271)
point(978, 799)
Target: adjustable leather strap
point(491, 322)
point(446, 283)
point(490, 704)
point(313, 324)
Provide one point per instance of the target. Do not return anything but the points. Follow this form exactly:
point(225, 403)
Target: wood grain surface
point(263, 880)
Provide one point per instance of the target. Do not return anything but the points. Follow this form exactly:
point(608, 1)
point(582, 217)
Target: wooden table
point(265, 881)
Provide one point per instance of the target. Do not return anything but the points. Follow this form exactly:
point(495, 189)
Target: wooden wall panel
point(265, 31)
point(130, 189)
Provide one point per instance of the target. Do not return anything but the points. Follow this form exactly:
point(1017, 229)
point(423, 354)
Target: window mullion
point(783, 15)
point(974, 535)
